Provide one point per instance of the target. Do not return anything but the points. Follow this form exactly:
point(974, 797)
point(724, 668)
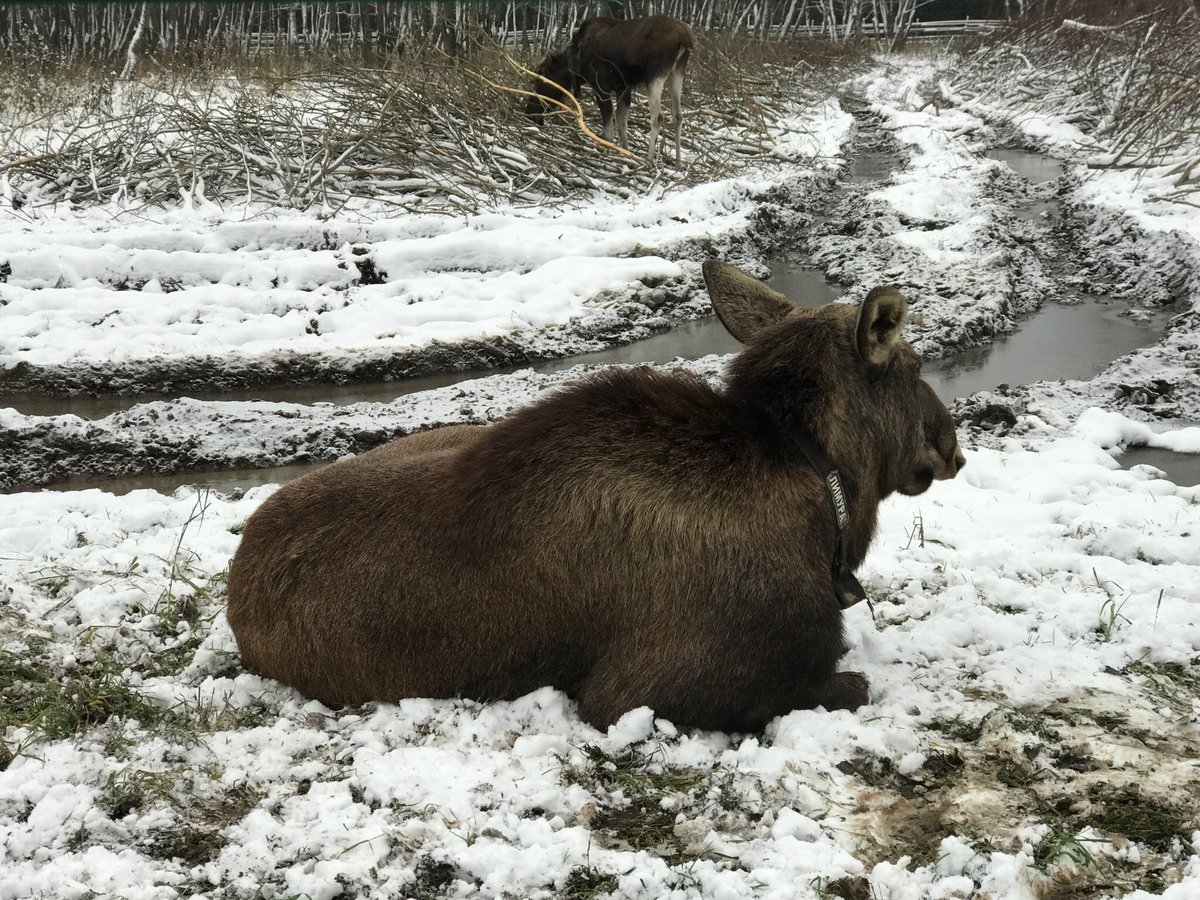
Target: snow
point(1111, 429)
point(250, 283)
point(1037, 610)
point(996, 608)
point(1139, 193)
point(940, 226)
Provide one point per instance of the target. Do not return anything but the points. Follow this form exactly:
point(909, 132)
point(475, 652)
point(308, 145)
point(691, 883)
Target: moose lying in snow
point(615, 56)
point(635, 538)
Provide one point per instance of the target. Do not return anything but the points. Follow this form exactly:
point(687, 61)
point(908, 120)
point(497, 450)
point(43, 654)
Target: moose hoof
point(845, 690)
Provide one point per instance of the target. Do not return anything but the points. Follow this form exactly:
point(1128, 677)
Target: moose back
point(615, 56)
point(638, 538)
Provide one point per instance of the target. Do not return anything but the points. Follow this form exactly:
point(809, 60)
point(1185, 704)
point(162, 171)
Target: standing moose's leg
point(623, 102)
point(654, 89)
point(676, 88)
point(604, 101)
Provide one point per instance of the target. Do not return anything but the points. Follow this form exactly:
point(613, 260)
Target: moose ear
point(880, 321)
point(743, 303)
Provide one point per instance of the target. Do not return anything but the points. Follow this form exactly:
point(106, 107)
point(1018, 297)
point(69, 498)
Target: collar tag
point(833, 484)
point(846, 588)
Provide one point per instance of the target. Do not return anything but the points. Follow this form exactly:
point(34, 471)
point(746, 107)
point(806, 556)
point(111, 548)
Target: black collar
point(846, 587)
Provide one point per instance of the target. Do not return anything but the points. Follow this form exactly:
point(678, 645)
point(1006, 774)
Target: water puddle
point(1037, 169)
point(1182, 469)
point(1033, 167)
point(1058, 342)
point(107, 404)
point(803, 283)
point(873, 165)
point(690, 340)
point(873, 152)
point(1038, 212)
point(225, 481)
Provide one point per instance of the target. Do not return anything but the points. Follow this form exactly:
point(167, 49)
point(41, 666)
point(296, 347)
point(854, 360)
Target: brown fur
point(435, 440)
point(615, 56)
point(636, 538)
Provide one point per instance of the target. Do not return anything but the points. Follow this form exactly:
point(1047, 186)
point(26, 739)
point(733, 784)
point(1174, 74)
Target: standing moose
point(636, 538)
point(615, 56)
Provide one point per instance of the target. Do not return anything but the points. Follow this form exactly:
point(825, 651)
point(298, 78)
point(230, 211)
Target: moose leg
point(842, 690)
point(845, 690)
point(604, 101)
point(711, 684)
point(654, 91)
point(676, 87)
point(623, 102)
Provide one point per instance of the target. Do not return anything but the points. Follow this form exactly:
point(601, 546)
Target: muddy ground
point(1083, 788)
point(1040, 246)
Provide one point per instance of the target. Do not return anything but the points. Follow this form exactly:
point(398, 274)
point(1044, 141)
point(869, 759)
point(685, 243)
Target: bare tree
point(99, 30)
point(131, 57)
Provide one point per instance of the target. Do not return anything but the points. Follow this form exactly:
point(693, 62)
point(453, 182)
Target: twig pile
point(433, 133)
point(1127, 74)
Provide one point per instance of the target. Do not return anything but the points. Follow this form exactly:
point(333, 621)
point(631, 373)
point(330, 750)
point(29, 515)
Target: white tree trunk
point(131, 56)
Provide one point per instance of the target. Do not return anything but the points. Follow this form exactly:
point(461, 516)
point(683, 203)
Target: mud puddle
point(225, 481)
point(1036, 168)
point(1072, 340)
point(1182, 469)
point(804, 283)
point(875, 153)
point(1042, 207)
point(1059, 342)
point(874, 165)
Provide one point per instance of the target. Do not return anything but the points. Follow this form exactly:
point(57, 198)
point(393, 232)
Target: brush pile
point(1126, 74)
point(429, 132)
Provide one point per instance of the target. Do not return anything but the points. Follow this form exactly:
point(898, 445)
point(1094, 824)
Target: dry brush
point(427, 130)
point(1127, 74)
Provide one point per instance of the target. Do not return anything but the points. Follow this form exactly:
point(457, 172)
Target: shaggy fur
point(636, 538)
